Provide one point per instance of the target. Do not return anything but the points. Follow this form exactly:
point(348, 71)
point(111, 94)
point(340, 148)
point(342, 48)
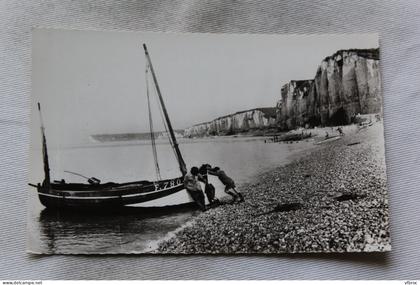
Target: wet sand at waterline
point(340, 187)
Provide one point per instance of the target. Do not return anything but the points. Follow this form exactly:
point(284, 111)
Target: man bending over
point(230, 187)
point(193, 186)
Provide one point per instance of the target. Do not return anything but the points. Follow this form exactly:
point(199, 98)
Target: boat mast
point(44, 150)
point(181, 162)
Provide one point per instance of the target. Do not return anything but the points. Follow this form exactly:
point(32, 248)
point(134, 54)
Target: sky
point(93, 82)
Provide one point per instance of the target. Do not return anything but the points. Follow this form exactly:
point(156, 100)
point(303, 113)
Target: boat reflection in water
point(122, 231)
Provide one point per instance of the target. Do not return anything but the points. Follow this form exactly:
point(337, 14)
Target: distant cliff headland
point(132, 136)
point(244, 121)
point(345, 84)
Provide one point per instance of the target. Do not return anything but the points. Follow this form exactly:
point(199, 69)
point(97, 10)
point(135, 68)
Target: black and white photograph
point(163, 143)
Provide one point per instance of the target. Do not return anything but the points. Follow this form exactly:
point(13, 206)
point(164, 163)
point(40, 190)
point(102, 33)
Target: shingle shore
point(322, 224)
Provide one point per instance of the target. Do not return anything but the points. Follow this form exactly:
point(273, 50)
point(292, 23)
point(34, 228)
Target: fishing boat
point(94, 195)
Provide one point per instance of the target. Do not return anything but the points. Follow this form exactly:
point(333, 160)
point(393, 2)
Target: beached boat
point(95, 195)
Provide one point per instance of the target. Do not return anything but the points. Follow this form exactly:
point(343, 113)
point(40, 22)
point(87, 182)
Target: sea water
point(242, 158)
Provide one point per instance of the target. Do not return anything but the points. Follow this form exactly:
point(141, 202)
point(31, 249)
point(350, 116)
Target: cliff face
point(244, 121)
point(297, 104)
point(345, 84)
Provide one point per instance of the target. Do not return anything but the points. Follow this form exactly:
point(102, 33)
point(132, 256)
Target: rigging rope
point(152, 133)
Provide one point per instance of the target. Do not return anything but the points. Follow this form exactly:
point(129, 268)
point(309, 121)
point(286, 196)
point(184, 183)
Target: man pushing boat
point(230, 187)
point(193, 186)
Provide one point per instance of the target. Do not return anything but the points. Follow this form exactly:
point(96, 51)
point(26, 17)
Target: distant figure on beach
point(230, 187)
point(192, 184)
point(340, 130)
point(326, 135)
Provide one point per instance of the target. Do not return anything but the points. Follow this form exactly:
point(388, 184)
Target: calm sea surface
point(242, 158)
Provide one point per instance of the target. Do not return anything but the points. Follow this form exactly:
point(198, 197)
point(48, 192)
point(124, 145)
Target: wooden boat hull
point(108, 195)
point(143, 194)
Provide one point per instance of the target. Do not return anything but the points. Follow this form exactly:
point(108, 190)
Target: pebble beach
point(340, 191)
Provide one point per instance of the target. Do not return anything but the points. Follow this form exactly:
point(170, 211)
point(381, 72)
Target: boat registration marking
point(168, 184)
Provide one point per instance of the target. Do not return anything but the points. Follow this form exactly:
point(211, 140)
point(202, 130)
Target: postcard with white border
point(166, 143)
